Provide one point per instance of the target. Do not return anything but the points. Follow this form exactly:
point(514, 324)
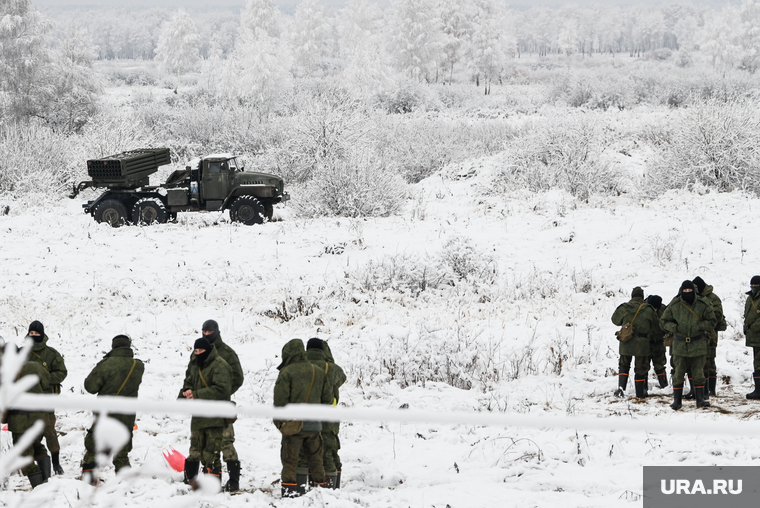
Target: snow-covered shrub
point(401, 273)
point(34, 159)
point(713, 144)
point(408, 97)
point(565, 153)
point(466, 263)
point(358, 186)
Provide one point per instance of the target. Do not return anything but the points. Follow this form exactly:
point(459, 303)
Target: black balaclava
point(700, 285)
point(655, 301)
point(755, 285)
point(204, 344)
point(36, 326)
point(315, 343)
point(211, 326)
point(688, 297)
point(637, 292)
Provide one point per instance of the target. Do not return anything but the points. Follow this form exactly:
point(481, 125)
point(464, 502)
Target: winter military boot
point(639, 384)
point(56, 456)
point(699, 392)
point(337, 481)
point(646, 386)
point(191, 470)
point(332, 481)
point(43, 461)
point(662, 378)
point(677, 394)
point(712, 382)
point(290, 490)
point(622, 383)
point(36, 479)
point(690, 395)
point(302, 481)
point(88, 474)
point(756, 393)
point(233, 484)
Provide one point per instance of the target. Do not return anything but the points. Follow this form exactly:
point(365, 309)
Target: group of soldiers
point(689, 326)
point(309, 450)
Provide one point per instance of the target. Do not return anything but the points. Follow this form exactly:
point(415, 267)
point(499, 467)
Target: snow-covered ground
point(529, 332)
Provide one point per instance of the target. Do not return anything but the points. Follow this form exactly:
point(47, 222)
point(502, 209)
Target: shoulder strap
point(637, 313)
point(687, 308)
point(313, 371)
point(44, 363)
point(752, 301)
point(134, 362)
point(200, 371)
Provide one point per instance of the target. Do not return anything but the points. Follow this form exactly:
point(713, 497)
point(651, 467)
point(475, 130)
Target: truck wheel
point(268, 211)
point(149, 211)
point(248, 210)
point(111, 211)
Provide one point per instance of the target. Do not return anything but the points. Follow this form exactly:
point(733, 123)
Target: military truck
point(211, 183)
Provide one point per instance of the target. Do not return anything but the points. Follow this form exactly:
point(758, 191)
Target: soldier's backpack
point(626, 331)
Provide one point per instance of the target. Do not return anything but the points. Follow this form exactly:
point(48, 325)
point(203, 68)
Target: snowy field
point(467, 301)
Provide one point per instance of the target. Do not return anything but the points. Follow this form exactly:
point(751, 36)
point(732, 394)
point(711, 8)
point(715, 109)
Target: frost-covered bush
point(34, 159)
point(713, 144)
point(465, 263)
point(565, 153)
point(400, 273)
point(408, 97)
point(358, 186)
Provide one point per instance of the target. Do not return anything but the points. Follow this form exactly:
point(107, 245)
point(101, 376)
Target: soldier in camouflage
point(657, 351)
point(690, 319)
point(118, 374)
point(752, 331)
point(37, 471)
point(705, 291)
point(318, 353)
point(229, 454)
point(53, 363)
point(208, 377)
point(299, 382)
point(644, 320)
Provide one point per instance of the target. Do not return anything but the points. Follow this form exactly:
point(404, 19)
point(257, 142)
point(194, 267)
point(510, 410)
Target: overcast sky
point(289, 6)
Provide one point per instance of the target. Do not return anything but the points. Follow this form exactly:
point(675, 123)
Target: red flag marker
point(175, 459)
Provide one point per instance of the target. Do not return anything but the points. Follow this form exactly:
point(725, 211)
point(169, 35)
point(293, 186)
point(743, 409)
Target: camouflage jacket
point(53, 363)
point(337, 380)
point(212, 382)
point(116, 374)
point(19, 421)
point(694, 322)
point(720, 319)
point(644, 324)
point(230, 356)
point(300, 381)
point(752, 320)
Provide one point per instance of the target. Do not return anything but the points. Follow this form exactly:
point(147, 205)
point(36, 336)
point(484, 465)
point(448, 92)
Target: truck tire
point(149, 211)
point(111, 211)
point(248, 210)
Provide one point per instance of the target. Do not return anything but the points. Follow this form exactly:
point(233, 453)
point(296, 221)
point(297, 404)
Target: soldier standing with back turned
point(657, 351)
point(689, 318)
point(644, 320)
point(752, 331)
point(705, 291)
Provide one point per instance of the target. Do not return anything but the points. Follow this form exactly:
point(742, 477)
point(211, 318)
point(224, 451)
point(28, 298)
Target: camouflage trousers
point(711, 370)
point(121, 457)
point(228, 444)
point(695, 365)
point(640, 366)
point(51, 436)
point(657, 356)
point(36, 450)
point(206, 447)
point(756, 358)
point(330, 460)
point(290, 450)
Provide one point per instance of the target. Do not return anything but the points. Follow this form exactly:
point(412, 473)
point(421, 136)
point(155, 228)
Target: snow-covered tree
point(178, 43)
point(721, 41)
point(749, 14)
point(72, 98)
point(456, 18)
point(309, 36)
point(417, 38)
point(260, 17)
point(23, 57)
point(367, 66)
point(487, 51)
